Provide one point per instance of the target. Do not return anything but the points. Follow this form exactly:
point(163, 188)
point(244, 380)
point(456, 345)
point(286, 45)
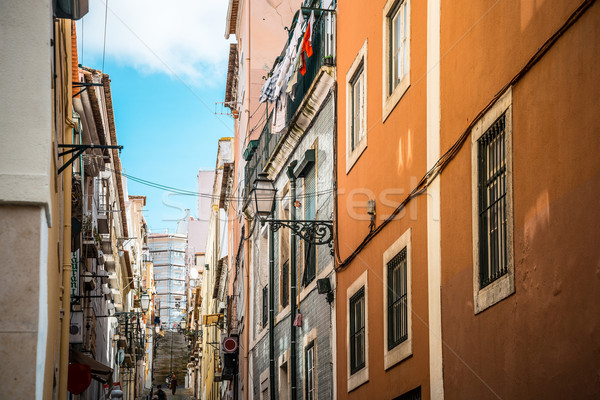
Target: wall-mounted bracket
point(78, 149)
point(85, 86)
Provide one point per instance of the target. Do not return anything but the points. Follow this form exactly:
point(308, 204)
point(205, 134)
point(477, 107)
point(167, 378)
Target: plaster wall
point(25, 54)
point(544, 340)
point(394, 160)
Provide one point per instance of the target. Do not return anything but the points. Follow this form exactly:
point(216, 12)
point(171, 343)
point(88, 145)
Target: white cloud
point(177, 37)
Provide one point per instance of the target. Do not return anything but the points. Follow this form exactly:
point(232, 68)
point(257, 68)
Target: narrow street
point(300, 199)
point(180, 394)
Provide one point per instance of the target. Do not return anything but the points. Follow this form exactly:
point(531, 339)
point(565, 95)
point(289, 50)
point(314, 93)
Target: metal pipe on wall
point(271, 310)
point(292, 362)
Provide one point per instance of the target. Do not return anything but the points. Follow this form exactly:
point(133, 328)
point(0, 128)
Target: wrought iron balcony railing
point(259, 152)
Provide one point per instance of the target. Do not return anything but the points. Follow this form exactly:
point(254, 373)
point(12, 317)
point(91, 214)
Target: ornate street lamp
point(263, 196)
point(263, 203)
point(315, 232)
point(145, 302)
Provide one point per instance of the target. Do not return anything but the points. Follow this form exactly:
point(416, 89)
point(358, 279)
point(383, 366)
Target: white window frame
point(311, 336)
point(404, 349)
point(504, 286)
point(284, 234)
point(391, 98)
point(360, 61)
point(283, 361)
point(361, 376)
point(265, 384)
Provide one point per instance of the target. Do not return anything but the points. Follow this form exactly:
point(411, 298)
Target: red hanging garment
point(307, 43)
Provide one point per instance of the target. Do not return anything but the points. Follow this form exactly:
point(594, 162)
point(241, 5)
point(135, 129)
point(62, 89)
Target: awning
point(100, 372)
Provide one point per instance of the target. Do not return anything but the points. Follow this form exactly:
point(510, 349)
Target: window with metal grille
point(285, 284)
point(265, 307)
point(357, 331)
point(309, 356)
point(310, 213)
point(492, 203)
point(397, 312)
point(414, 394)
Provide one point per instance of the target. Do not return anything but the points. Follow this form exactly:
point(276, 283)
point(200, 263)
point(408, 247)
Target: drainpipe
point(292, 362)
point(271, 310)
point(66, 274)
point(246, 312)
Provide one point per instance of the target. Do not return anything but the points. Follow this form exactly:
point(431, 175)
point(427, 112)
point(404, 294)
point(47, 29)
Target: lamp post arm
point(317, 232)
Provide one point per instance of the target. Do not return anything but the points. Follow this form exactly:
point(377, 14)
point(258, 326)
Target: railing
point(323, 54)
point(322, 44)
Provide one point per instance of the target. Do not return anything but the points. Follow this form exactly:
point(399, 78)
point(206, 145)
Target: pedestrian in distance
point(161, 395)
point(173, 384)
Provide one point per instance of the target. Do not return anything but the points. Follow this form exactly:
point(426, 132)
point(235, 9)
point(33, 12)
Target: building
point(63, 196)
point(451, 209)
point(214, 372)
point(518, 195)
point(35, 200)
point(384, 324)
point(168, 256)
point(197, 238)
point(273, 320)
point(259, 39)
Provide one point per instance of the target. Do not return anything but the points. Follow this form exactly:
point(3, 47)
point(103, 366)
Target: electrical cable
point(104, 45)
point(449, 155)
point(185, 192)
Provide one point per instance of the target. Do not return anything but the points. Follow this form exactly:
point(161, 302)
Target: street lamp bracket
point(316, 232)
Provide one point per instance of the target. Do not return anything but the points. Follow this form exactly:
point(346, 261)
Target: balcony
point(313, 85)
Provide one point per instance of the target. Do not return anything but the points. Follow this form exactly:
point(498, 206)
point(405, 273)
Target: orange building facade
point(467, 182)
point(381, 155)
point(530, 328)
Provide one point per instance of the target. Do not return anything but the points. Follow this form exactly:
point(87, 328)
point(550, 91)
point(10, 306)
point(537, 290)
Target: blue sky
point(167, 72)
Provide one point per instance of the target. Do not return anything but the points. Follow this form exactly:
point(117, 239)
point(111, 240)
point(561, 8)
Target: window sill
point(282, 314)
point(358, 378)
point(389, 102)
point(353, 156)
point(397, 354)
point(495, 292)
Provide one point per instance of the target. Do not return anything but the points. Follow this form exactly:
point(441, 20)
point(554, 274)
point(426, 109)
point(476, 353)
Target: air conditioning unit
point(71, 9)
point(76, 327)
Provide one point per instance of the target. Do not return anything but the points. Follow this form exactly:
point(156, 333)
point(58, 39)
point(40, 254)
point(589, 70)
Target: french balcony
point(267, 152)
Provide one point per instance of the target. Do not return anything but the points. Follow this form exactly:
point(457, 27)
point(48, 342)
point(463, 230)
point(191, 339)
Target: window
point(284, 251)
point(356, 116)
point(309, 357)
point(397, 324)
point(396, 52)
point(357, 331)
point(492, 203)
point(310, 213)
point(285, 284)
point(414, 394)
point(397, 311)
point(265, 307)
point(493, 271)
point(356, 108)
point(357, 328)
point(284, 382)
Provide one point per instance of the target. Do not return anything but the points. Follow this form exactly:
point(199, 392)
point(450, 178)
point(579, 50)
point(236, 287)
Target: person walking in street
point(161, 393)
point(173, 384)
